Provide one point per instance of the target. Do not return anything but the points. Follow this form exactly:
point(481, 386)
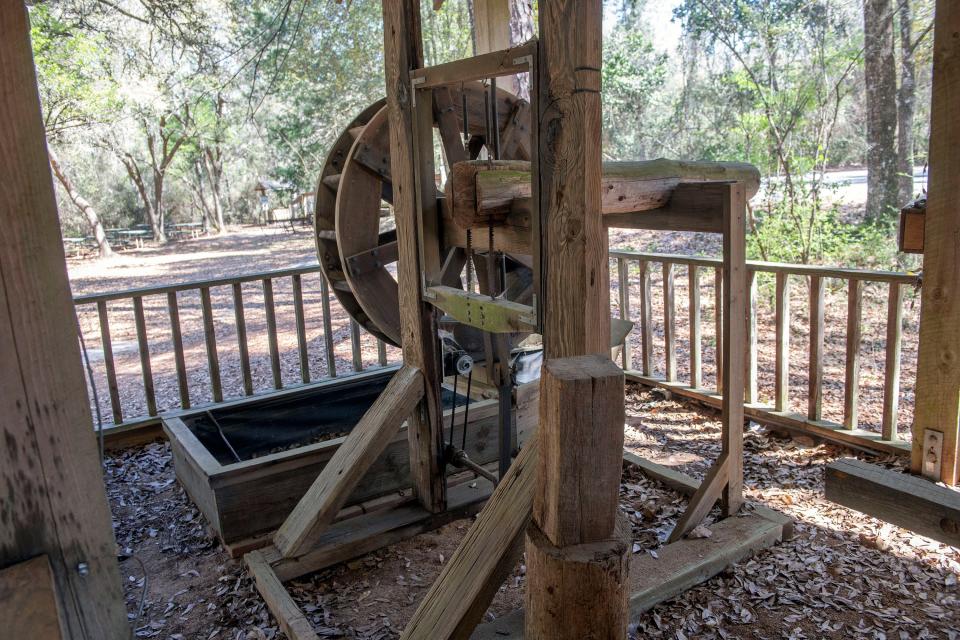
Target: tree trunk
point(208, 217)
point(93, 219)
point(881, 85)
point(906, 106)
point(521, 30)
point(214, 169)
point(159, 230)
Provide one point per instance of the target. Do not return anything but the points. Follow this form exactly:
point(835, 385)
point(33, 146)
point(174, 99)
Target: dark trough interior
point(266, 426)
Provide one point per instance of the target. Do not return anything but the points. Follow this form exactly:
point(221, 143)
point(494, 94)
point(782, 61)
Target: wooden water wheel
point(354, 225)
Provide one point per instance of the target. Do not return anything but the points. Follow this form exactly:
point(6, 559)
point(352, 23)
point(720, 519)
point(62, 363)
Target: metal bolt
point(83, 569)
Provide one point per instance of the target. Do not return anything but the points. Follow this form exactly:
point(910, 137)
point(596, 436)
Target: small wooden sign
point(910, 238)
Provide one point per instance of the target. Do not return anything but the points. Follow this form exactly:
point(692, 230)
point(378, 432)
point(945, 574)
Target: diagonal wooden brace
point(327, 495)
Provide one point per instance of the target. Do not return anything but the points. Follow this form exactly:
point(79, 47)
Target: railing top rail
point(866, 275)
point(194, 284)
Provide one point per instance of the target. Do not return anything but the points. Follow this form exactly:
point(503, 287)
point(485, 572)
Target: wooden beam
point(496, 63)
point(54, 501)
point(494, 315)
point(581, 437)
point(281, 605)
point(464, 589)
point(366, 441)
point(913, 503)
point(403, 51)
point(938, 358)
point(491, 24)
point(28, 601)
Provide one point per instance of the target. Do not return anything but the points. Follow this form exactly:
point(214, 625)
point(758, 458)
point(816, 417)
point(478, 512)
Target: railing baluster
point(327, 328)
point(646, 319)
point(815, 386)
point(355, 345)
point(852, 366)
point(272, 332)
point(144, 349)
point(718, 324)
point(177, 338)
point(696, 367)
point(107, 343)
point(891, 382)
point(750, 386)
point(241, 323)
point(781, 394)
point(624, 279)
point(301, 328)
point(210, 340)
point(382, 353)
point(669, 323)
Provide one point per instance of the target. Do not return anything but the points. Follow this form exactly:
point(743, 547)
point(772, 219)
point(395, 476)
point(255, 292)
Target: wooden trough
point(284, 440)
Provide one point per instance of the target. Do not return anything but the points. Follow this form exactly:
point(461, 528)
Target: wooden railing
point(215, 314)
point(286, 289)
point(634, 272)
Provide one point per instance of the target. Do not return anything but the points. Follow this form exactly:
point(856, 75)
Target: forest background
point(165, 111)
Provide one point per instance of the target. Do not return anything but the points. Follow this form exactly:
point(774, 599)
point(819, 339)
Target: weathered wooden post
point(935, 422)
point(58, 568)
point(577, 551)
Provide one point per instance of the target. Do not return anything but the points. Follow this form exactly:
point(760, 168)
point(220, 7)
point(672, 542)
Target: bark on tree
point(906, 105)
point(881, 88)
point(521, 30)
point(93, 218)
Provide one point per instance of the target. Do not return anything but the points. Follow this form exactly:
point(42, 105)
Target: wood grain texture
point(581, 442)
point(281, 605)
point(466, 585)
point(815, 366)
point(143, 347)
point(403, 51)
point(907, 501)
point(693, 292)
point(54, 501)
point(938, 358)
point(669, 322)
point(241, 323)
point(646, 318)
point(781, 392)
point(210, 342)
point(891, 379)
point(28, 601)
point(578, 592)
point(851, 386)
point(270, 312)
point(319, 506)
point(176, 337)
point(575, 286)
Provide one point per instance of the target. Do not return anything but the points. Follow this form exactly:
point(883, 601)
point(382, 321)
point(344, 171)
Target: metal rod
point(494, 121)
point(461, 459)
point(466, 410)
point(223, 436)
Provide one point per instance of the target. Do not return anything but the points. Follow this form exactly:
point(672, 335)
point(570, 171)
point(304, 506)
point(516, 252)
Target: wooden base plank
point(680, 566)
point(898, 498)
point(281, 605)
point(355, 537)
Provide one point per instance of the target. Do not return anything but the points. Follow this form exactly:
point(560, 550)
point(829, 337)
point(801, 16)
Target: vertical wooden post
point(646, 319)
point(938, 359)
point(851, 394)
point(669, 323)
point(891, 381)
point(577, 551)
point(403, 51)
point(623, 275)
point(815, 368)
point(54, 501)
point(781, 394)
point(696, 367)
point(751, 393)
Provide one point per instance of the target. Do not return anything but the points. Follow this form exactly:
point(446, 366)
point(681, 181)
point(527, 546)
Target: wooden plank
point(358, 536)
point(210, 341)
point(669, 322)
point(493, 315)
point(182, 383)
point(907, 501)
point(111, 369)
point(581, 414)
point(381, 353)
point(891, 370)
point(693, 291)
point(327, 329)
point(479, 67)
point(143, 346)
point(356, 351)
point(54, 502)
point(466, 585)
point(718, 325)
point(301, 328)
point(353, 458)
point(271, 316)
point(751, 393)
point(241, 323)
point(646, 318)
point(815, 366)
point(709, 491)
point(491, 25)
point(28, 601)
point(403, 51)
point(851, 388)
point(781, 392)
point(938, 362)
point(623, 277)
point(281, 605)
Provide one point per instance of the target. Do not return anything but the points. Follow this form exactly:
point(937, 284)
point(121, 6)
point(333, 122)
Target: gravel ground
point(844, 575)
